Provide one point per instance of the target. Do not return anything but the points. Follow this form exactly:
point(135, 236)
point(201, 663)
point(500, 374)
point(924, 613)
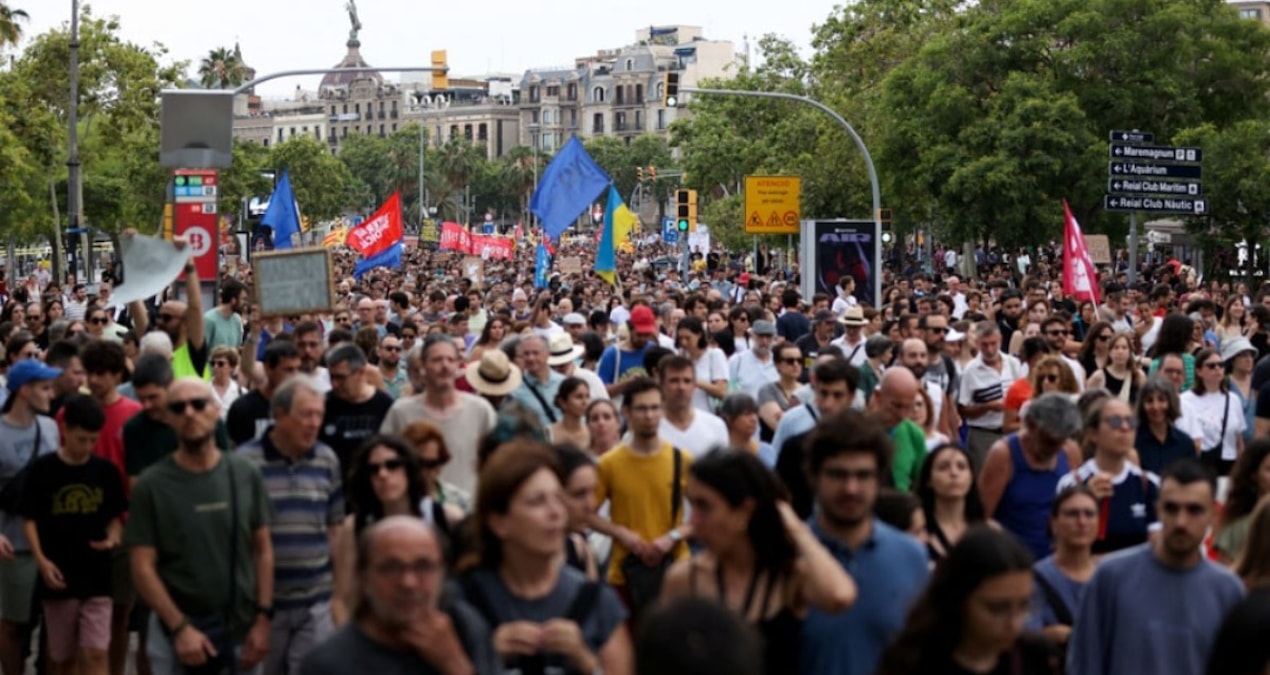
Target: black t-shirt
point(346, 425)
point(72, 505)
point(789, 466)
point(248, 417)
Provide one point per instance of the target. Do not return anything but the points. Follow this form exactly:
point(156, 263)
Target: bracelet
point(180, 626)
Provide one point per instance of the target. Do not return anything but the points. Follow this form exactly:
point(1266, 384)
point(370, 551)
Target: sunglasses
point(938, 330)
point(1121, 422)
point(390, 466)
point(1104, 338)
point(390, 348)
point(99, 321)
point(430, 464)
point(1058, 333)
point(220, 364)
point(1051, 378)
point(792, 362)
point(179, 407)
point(1213, 365)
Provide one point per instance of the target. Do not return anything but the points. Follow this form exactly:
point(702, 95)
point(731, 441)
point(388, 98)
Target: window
point(533, 117)
point(266, 142)
point(467, 131)
point(619, 121)
point(553, 91)
point(572, 94)
point(317, 133)
point(597, 123)
point(1250, 13)
point(394, 128)
point(533, 94)
point(482, 132)
point(357, 108)
point(597, 94)
point(549, 142)
point(454, 130)
point(630, 64)
point(292, 132)
point(305, 129)
point(639, 120)
point(546, 117)
point(573, 118)
point(661, 119)
point(381, 131)
point(620, 93)
point(639, 92)
point(333, 113)
point(281, 136)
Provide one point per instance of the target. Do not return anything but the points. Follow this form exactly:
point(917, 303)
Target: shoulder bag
point(643, 582)
point(11, 493)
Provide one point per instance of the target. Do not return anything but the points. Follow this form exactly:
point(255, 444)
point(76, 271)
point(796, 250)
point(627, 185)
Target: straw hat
point(562, 350)
point(494, 374)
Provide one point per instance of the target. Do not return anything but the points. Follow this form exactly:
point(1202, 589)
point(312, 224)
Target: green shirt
point(147, 440)
point(910, 451)
point(1230, 540)
point(186, 517)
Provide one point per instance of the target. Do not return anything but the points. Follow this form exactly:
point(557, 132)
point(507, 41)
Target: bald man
point(402, 624)
point(893, 402)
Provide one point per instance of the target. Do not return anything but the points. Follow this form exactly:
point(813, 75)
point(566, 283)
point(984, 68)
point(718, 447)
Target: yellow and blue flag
point(619, 222)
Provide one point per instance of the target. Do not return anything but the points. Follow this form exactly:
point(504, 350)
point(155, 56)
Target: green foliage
point(323, 185)
point(1236, 173)
point(245, 178)
point(11, 21)
point(222, 69)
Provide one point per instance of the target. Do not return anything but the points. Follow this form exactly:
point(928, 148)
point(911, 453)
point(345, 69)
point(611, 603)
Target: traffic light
point(440, 78)
point(670, 90)
point(639, 174)
point(884, 217)
point(686, 210)
point(652, 173)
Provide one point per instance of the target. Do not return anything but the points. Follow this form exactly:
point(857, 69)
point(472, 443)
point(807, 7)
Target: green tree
point(367, 159)
point(221, 69)
point(245, 178)
point(322, 183)
point(11, 21)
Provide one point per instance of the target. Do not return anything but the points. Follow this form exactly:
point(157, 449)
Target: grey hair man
point(1021, 472)
point(537, 391)
point(981, 396)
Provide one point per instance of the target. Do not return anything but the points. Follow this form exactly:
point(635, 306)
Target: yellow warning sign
point(773, 204)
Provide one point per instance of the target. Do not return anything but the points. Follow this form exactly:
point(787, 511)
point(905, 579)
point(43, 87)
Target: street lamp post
point(74, 183)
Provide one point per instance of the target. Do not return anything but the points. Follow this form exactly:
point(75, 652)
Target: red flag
point(1080, 278)
point(380, 231)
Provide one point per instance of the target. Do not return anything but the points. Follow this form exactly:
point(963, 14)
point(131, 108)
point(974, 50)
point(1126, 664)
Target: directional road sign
point(1132, 136)
point(1187, 188)
point(669, 234)
point(1156, 153)
point(1177, 205)
point(1150, 170)
point(773, 204)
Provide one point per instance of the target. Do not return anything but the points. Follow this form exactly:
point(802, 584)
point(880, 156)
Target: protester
point(572, 398)
point(580, 479)
point(1159, 442)
point(1249, 482)
point(949, 495)
point(834, 381)
point(1061, 577)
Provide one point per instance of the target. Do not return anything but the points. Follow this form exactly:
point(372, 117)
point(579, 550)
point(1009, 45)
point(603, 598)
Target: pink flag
point(1080, 279)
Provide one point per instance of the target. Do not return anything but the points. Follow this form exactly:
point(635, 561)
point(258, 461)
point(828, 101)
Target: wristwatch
point(675, 535)
point(265, 610)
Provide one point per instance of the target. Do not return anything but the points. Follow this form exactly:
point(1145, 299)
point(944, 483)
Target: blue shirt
point(890, 571)
point(797, 420)
point(617, 364)
point(1068, 590)
point(1129, 511)
point(547, 390)
point(1157, 455)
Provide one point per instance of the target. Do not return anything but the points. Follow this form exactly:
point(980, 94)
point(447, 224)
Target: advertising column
point(842, 248)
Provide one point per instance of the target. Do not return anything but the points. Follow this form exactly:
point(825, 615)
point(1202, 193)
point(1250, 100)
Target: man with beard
point(394, 376)
point(939, 374)
point(848, 456)
point(1126, 623)
point(196, 506)
point(308, 338)
point(224, 323)
point(354, 407)
point(1008, 317)
point(404, 623)
point(834, 383)
point(250, 414)
point(892, 404)
point(818, 338)
point(184, 325)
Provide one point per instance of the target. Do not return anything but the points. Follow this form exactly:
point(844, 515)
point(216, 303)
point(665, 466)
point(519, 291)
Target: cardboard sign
point(294, 281)
point(569, 265)
point(1099, 248)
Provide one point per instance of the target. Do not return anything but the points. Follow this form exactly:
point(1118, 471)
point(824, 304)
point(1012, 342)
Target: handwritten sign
point(297, 281)
point(474, 268)
point(570, 265)
point(1099, 248)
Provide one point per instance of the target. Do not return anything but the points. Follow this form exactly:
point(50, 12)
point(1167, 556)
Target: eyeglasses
point(1121, 422)
point(938, 330)
point(99, 321)
point(1058, 333)
point(792, 362)
point(431, 464)
point(390, 466)
point(33, 317)
point(1051, 378)
point(1078, 513)
point(179, 407)
point(1213, 365)
point(391, 348)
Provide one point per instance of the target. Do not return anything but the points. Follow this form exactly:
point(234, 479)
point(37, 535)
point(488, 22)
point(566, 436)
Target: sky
point(480, 36)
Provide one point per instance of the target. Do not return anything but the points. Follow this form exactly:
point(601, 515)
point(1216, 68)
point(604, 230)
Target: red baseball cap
point(643, 320)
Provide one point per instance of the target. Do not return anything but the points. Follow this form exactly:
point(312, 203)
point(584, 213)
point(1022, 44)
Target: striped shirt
point(307, 499)
point(981, 383)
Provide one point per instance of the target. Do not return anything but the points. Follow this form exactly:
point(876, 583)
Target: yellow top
point(638, 489)
point(183, 365)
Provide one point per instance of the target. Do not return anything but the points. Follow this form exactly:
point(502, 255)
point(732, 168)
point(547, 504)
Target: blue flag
point(282, 215)
point(570, 184)
point(389, 257)
point(542, 266)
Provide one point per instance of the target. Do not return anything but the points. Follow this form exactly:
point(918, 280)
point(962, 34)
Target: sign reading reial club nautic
point(1153, 178)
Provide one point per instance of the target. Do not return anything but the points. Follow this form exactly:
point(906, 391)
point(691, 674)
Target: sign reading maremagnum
point(841, 248)
point(1153, 178)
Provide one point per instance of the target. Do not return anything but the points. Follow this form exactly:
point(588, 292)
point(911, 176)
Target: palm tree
point(221, 69)
point(10, 31)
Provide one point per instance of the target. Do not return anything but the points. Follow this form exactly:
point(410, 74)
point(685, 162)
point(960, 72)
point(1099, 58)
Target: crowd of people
point(699, 473)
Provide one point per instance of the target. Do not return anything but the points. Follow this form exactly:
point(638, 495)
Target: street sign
point(1188, 188)
point(669, 234)
point(1132, 136)
point(773, 204)
point(1177, 205)
point(1148, 170)
point(1156, 153)
point(194, 191)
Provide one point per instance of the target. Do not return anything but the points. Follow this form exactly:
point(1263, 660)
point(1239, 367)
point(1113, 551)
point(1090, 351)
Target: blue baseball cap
point(27, 371)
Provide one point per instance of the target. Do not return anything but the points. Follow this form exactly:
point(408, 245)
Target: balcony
point(382, 115)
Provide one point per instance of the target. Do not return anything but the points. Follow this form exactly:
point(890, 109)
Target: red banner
point(455, 237)
point(1080, 278)
point(380, 231)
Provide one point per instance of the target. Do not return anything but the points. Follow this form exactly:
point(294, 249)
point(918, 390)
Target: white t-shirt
point(593, 383)
point(1202, 418)
point(705, 433)
point(981, 383)
point(711, 367)
point(854, 353)
point(748, 374)
point(950, 258)
point(842, 303)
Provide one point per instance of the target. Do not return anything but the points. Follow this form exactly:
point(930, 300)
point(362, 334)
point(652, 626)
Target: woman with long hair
point(1175, 337)
point(1121, 375)
point(1061, 577)
point(1126, 493)
point(491, 336)
point(775, 397)
point(739, 322)
point(949, 493)
point(970, 618)
point(543, 614)
point(580, 479)
point(1050, 375)
point(1212, 415)
point(1037, 312)
point(1232, 320)
point(572, 398)
point(740, 413)
point(709, 364)
point(923, 415)
point(1159, 441)
point(759, 558)
point(384, 481)
point(1096, 346)
point(1249, 482)
point(53, 310)
point(1083, 319)
point(604, 425)
point(96, 321)
point(1253, 562)
point(443, 505)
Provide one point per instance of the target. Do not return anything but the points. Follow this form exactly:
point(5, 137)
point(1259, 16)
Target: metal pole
point(74, 185)
point(855, 137)
point(1133, 249)
point(247, 86)
point(423, 147)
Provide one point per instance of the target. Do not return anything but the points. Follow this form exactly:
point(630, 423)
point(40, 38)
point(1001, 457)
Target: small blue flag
point(389, 257)
point(282, 216)
point(542, 266)
point(568, 187)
